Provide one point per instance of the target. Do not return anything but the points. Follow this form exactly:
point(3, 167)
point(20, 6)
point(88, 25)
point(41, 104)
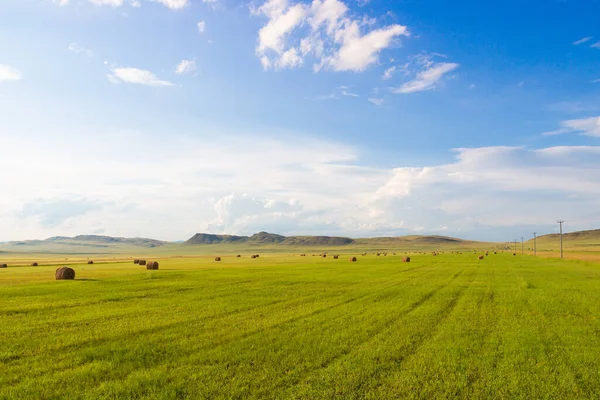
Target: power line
point(561, 237)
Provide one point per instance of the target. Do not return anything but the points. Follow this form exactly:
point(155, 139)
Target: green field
point(289, 327)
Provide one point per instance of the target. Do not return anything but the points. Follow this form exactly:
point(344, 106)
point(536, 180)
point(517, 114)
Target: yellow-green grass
point(284, 326)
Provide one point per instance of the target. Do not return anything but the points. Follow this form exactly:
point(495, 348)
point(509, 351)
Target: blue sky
point(360, 118)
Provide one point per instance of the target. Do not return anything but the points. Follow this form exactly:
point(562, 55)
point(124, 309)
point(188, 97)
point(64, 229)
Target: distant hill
point(591, 235)
point(87, 241)
point(271, 238)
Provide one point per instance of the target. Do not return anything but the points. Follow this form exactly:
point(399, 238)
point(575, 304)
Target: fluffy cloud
point(201, 26)
point(185, 67)
point(137, 76)
point(8, 73)
point(584, 126)
point(289, 185)
point(323, 30)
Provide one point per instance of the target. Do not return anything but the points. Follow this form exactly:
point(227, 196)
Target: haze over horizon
point(362, 118)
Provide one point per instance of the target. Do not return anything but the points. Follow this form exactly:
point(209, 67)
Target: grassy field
point(289, 327)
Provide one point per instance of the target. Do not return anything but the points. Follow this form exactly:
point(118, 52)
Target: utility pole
point(534, 244)
point(515, 241)
point(561, 245)
point(522, 246)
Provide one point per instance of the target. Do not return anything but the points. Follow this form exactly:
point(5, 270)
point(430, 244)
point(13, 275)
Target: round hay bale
point(217, 258)
point(481, 257)
point(514, 254)
point(3, 266)
point(34, 264)
point(302, 255)
point(64, 273)
point(152, 265)
point(90, 262)
point(253, 256)
point(495, 253)
point(352, 259)
point(142, 262)
point(136, 261)
point(256, 255)
point(239, 256)
point(335, 257)
point(406, 259)
point(324, 255)
point(364, 254)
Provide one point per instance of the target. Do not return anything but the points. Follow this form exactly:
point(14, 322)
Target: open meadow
point(288, 327)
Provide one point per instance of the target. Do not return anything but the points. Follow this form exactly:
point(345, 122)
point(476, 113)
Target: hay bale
point(406, 259)
point(302, 255)
point(142, 262)
point(217, 258)
point(335, 257)
point(256, 255)
point(495, 253)
point(514, 254)
point(481, 257)
point(3, 266)
point(136, 261)
point(352, 259)
point(152, 265)
point(34, 264)
point(324, 255)
point(253, 256)
point(64, 273)
point(239, 256)
point(90, 262)
point(364, 254)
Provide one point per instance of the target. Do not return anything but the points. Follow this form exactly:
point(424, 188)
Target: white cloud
point(201, 26)
point(78, 49)
point(427, 78)
point(596, 45)
point(137, 76)
point(174, 4)
point(185, 67)
point(61, 2)
point(584, 126)
point(112, 3)
point(387, 74)
point(297, 185)
point(323, 30)
point(582, 40)
point(376, 101)
point(8, 73)
point(135, 3)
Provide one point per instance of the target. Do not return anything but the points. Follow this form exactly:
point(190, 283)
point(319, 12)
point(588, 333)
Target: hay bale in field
point(152, 265)
point(364, 254)
point(514, 254)
point(256, 255)
point(433, 253)
point(481, 257)
point(495, 253)
point(90, 262)
point(217, 258)
point(142, 262)
point(352, 259)
point(378, 254)
point(406, 259)
point(239, 256)
point(253, 256)
point(324, 255)
point(394, 253)
point(3, 266)
point(335, 257)
point(64, 273)
point(136, 261)
point(302, 255)
point(34, 264)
